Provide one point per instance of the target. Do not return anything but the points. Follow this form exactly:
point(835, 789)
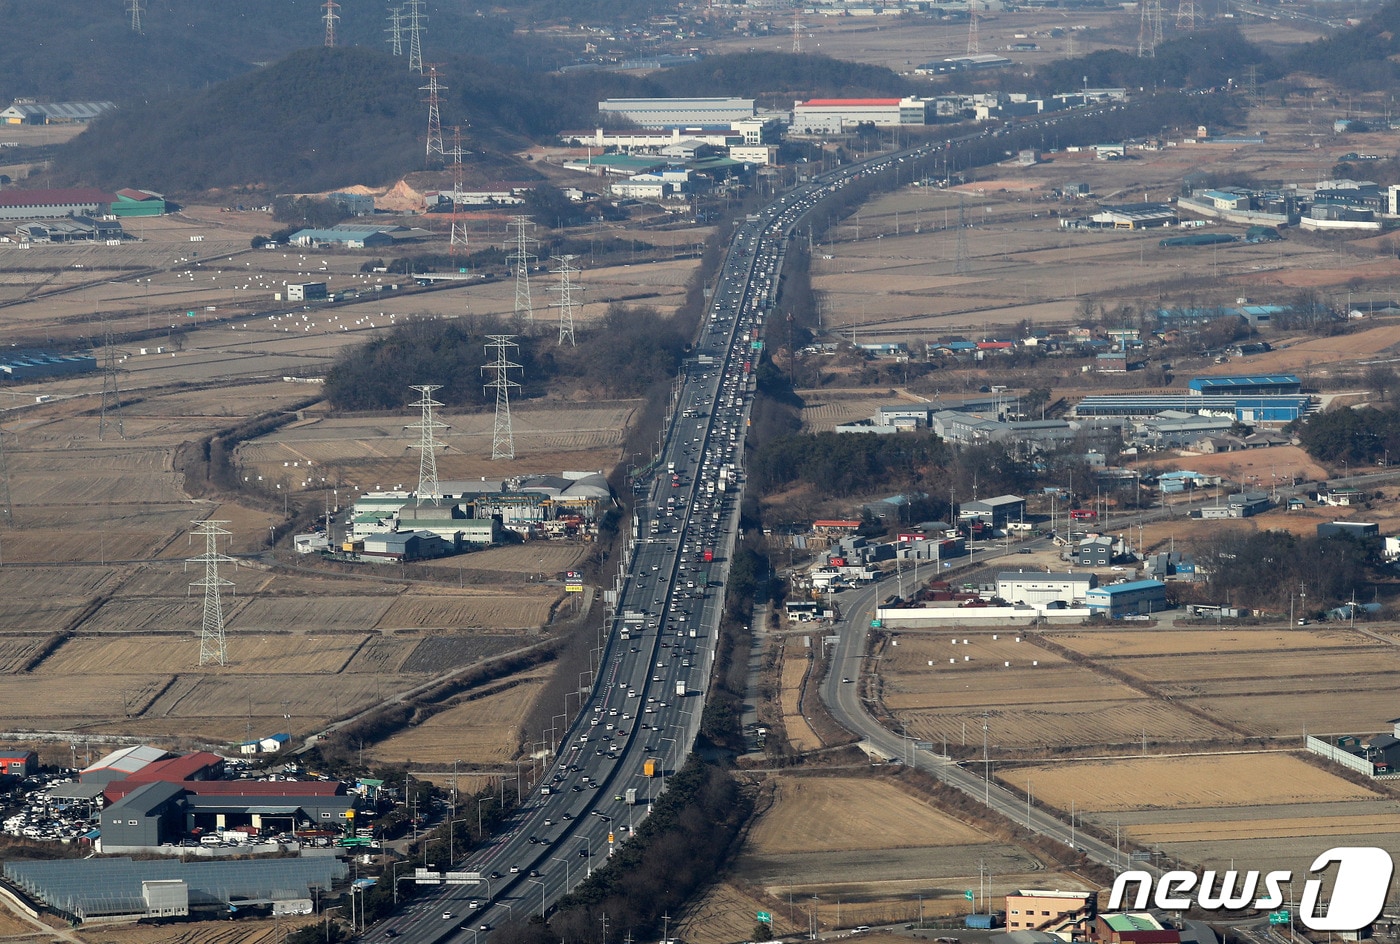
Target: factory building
point(1036, 588)
point(24, 112)
point(55, 204)
point(18, 763)
point(838, 115)
point(1270, 385)
point(677, 112)
point(1138, 597)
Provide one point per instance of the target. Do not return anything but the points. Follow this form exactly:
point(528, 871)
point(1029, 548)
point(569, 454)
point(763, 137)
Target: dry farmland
point(1273, 808)
point(867, 842)
point(93, 572)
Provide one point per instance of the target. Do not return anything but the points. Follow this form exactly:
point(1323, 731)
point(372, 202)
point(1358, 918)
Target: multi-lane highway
point(642, 711)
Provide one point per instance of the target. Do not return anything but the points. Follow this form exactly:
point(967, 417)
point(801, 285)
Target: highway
point(643, 704)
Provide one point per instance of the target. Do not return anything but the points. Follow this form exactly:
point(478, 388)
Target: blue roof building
point(1263, 385)
point(1138, 597)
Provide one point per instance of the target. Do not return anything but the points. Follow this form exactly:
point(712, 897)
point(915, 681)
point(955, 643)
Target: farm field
point(483, 730)
point(1028, 708)
point(800, 735)
point(868, 842)
point(1273, 809)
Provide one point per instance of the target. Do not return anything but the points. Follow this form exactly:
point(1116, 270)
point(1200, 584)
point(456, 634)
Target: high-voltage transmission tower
point(797, 30)
point(8, 509)
point(961, 266)
point(566, 289)
point(434, 115)
point(427, 430)
point(502, 436)
point(110, 393)
point(1149, 28)
point(1186, 15)
point(134, 8)
point(416, 19)
point(974, 45)
point(212, 648)
point(520, 255)
point(457, 242)
point(395, 30)
point(331, 17)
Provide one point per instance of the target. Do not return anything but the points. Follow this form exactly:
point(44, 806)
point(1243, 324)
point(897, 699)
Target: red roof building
point(54, 204)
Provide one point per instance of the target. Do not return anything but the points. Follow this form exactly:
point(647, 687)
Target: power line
point(974, 44)
point(502, 436)
point(427, 443)
point(212, 646)
point(134, 8)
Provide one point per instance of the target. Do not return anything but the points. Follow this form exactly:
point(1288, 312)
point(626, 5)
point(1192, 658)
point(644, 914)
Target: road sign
point(765, 917)
point(876, 624)
point(969, 895)
point(462, 878)
point(1280, 917)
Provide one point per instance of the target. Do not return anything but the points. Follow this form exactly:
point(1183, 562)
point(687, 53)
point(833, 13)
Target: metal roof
point(113, 885)
point(128, 759)
point(1131, 587)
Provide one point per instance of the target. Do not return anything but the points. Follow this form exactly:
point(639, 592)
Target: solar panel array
point(90, 887)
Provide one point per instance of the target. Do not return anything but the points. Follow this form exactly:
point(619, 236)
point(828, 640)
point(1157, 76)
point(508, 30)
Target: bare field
point(496, 611)
point(318, 653)
point(824, 814)
point(1030, 707)
point(550, 558)
point(481, 731)
point(246, 931)
point(1151, 783)
point(795, 664)
point(1172, 642)
point(262, 612)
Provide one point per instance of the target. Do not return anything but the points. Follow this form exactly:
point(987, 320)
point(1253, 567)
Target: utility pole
point(502, 435)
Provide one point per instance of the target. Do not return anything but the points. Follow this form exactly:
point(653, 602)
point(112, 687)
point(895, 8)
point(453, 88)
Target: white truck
point(631, 796)
point(680, 689)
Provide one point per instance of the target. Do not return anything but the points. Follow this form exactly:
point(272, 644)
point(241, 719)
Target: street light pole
point(543, 903)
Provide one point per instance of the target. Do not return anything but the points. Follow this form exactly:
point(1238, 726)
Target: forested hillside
point(81, 49)
point(1202, 59)
point(325, 118)
point(1358, 57)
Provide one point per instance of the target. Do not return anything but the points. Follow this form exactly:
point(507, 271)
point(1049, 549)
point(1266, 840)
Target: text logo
point(1359, 886)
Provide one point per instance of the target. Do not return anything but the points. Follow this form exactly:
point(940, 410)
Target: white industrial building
point(837, 115)
point(1035, 588)
point(677, 112)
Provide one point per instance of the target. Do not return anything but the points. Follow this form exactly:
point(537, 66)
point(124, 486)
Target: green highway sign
point(876, 624)
point(765, 917)
point(1279, 917)
point(969, 896)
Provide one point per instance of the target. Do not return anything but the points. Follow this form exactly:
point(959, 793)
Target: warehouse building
point(1268, 385)
point(677, 112)
point(148, 816)
point(838, 115)
point(126, 889)
point(19, 763)
point(307, 291)
point(122, 763)
point(24, 112)
point(1137, 597)
point(133, 203)
point(997, 511)
point(1135, 216)
point(55, 204)
point(1036, 588)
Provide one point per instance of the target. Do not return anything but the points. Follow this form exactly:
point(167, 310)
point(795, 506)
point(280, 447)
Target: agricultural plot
point(874, 846)
point(439, 653)
point(266, 612)
point(485, 730)
point(1055, 703)
point(1271, 810)
point(551, 558)
point(795, 665)
point(494, 611)
point(318, 653)
point(1319, 680)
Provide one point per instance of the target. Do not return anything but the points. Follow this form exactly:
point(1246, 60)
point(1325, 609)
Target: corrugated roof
point(176, 768)
point(1130, 587)
point(849, 102)
point(128, 759)
point(60, 197)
